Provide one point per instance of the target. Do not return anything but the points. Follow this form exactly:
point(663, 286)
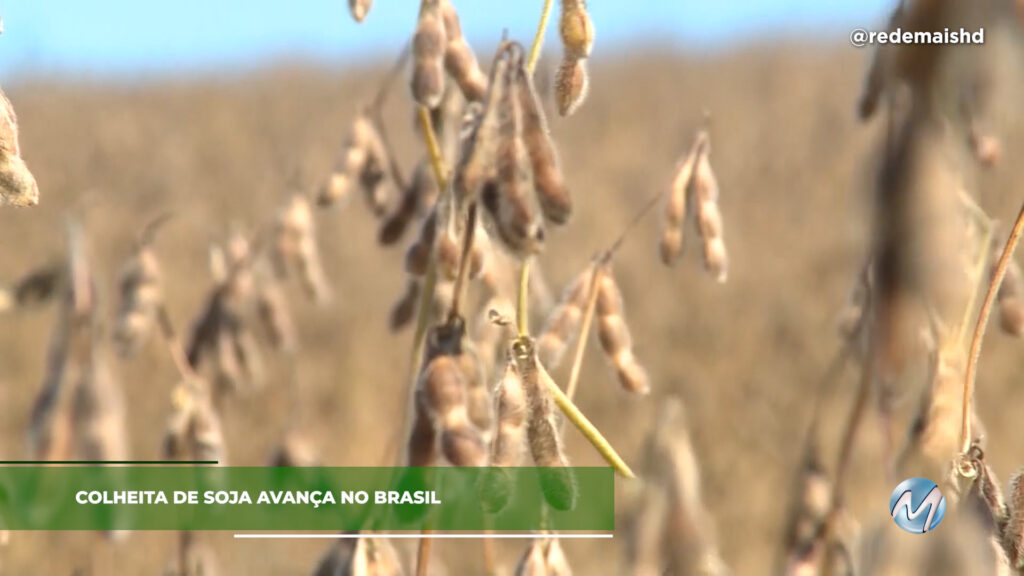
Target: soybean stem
point(174, 345)
point(427, 296)
point(423, 554)
point(523, 302)
point(433, 149)
point(580, 421)
point(538, 38)
point(581, 343)
point(979, 330)
point(522, 308)
point(469, 233)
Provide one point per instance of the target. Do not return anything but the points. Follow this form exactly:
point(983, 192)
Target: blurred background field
point(794, 167)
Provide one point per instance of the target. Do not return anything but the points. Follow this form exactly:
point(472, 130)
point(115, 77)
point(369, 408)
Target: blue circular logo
point(917, 505)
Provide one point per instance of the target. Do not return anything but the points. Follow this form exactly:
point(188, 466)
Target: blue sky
point(131, 37)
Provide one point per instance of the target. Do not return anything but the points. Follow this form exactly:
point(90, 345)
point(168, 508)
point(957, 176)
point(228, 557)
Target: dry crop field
point(710, 387)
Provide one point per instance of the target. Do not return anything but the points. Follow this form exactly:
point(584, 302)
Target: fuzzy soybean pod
point(563, 322)
point(479, 133)
point(1013, 533)
point(418, 197)
point(274, 317)
point(557, 563)
point(459, 59)
point(507, 449)
point(442, 391)
point(381, 558)
point(576, 29)
point(207, 435)
point(989, 495)
point(448, 249)
point(428, 49)
point(542, 432)
point(615, 337)
point(510, 202)
point(674, 217)
point(352, 158)
point(577, 32)
point(880, 74)
point(98, 412)
point(709, 218)
point(175, 443)
point(417, 257)
point(359, 9)
point(17, 185)
point(571, 85)
point(296, 243)
point(311, 271)
point(478, 394)
point(533, 562)
point(141, 292)
point(393, 227)
point(510, 435)
point(403, 310)
point(552, 193)
point(422, 448)
point(36, 287)
point(238, 365)
point(360, 164)
point(482, 253)
point(194, 429)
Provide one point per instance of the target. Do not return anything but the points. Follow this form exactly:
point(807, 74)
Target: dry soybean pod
point(18, 186)
point(480, 132)
point(704, 188)
point(542, 434)
point(428, 49)
point(418, 256)
point(1013, 532)
point(563, 322)
point(403, 310)
point(359, 9)
point(510, 202)
point(509, 440)
point(533, 562)
point(549, 183)
point(459, 59)
point(677, 203)
point(576, 29)
point(571, 85)
point(615, 338)
point(441, 390)
point(141, 292)
point(274, 316)
point(577, 32)
point(418, 197)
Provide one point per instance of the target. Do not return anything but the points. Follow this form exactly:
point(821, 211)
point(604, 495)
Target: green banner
point(314, 499)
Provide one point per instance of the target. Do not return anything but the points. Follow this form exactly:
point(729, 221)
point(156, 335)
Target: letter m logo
point(914, 519)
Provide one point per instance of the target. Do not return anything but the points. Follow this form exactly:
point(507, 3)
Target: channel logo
point(917, 505)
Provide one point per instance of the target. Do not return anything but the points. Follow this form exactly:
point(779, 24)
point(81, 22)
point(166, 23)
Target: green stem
point(538, 38)
point(580, 421)
point(523, 301)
